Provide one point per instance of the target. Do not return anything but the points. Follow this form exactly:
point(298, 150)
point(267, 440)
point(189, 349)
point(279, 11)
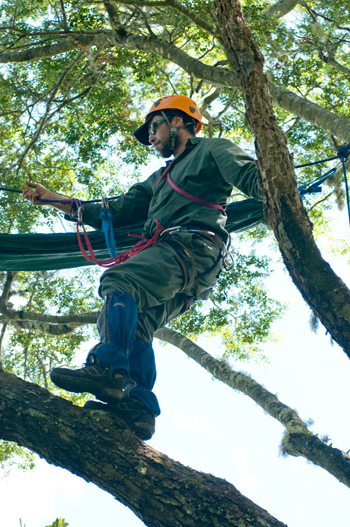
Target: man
point(183, 208)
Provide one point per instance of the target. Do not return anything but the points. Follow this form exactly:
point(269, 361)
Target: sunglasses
point(153, 127)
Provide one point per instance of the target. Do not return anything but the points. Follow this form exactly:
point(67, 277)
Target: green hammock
point(43, 252)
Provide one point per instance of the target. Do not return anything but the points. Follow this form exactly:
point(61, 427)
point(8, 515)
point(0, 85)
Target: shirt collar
point(190, 143)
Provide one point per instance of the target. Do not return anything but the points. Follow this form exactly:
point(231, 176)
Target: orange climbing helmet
point(172, 102)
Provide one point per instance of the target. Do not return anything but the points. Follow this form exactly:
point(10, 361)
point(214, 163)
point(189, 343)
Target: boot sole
point(141, 429)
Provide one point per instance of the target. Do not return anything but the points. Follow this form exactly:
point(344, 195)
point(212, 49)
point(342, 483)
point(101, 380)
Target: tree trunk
point(101, 449)
point(320, 287)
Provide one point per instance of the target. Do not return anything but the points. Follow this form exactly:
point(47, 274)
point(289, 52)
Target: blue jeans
point(118, 348)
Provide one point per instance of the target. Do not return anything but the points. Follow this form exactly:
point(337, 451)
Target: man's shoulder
point(210, 142)
point(211, 146)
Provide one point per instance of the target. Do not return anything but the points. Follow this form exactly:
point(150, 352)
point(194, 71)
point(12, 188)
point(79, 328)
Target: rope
point(66, 200)
point(310, 188)
point(123, 257)
point(342, 153)
point(317, 162)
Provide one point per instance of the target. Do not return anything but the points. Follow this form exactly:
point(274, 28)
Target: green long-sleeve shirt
point(208, 169)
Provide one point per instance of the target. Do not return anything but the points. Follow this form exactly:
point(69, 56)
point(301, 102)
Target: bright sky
point(210, 427)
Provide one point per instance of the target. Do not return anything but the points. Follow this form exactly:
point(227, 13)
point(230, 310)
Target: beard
point(166, 151)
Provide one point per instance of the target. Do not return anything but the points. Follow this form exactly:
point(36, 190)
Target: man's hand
point(33, 191)
point(39, 192)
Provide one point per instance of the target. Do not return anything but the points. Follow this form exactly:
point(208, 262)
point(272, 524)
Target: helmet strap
point(173, 132)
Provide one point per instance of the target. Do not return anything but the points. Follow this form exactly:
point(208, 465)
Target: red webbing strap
point(194, 198)
point(92, 258)
point(165, 171)
point(144, 243)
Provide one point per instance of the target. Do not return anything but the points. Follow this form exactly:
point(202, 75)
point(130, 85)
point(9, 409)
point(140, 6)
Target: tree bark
point(101, 449)
point(320, 287)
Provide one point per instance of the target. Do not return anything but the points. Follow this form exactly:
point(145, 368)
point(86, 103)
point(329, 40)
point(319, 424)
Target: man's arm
point(129, 209)
point(33, 191)
point(237, 167)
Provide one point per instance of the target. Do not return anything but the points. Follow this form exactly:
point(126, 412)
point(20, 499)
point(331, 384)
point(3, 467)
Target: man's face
point(160, 139)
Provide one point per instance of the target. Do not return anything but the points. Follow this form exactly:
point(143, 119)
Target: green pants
point(155, 276)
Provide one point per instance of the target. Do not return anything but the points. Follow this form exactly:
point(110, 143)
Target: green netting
point(43, 252)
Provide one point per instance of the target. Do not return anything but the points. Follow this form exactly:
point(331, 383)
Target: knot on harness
point(144, 243)
point(343, 151)
point(74, 205)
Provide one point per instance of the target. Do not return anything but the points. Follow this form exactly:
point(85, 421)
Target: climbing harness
point(194, 198)
point(186, 194)
point(186, 260)
point(185, 257)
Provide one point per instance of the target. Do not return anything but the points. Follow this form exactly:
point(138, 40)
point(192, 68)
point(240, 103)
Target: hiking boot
point(139, 420)
point(103, 382)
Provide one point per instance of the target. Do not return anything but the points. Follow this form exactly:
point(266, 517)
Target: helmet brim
point(142, 132)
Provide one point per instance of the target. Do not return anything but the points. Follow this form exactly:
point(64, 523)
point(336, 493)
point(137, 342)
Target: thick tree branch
point(281, 9)
point(46, 51)
point(12, 315)
point(10, 276)
point(56, 330)
point(310, 112)
point(216, 76)
point(160, 491)
point(298, 440)
point(290, 102)
point(2, 335)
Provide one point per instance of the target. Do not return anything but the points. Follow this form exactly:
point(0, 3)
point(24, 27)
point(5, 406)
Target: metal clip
point(170, 230)
point(105, 203)
point(80, 215)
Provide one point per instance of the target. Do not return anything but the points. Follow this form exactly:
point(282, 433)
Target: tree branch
point(189, 13)
point(298, 440)
point(332, 62)
point(57, 330)
point(213, 75)
point(14, 316)
point(10, 276)
point(160, 491)
point(44, 51)
point(321, 201)
point(290, 102)
point(64, 16)
point(2, 335)
point(281, 9)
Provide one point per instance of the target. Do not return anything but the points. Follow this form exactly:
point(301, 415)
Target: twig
point(189, 13)
point(65, 23)
point(320, 201)
point(48, 106)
